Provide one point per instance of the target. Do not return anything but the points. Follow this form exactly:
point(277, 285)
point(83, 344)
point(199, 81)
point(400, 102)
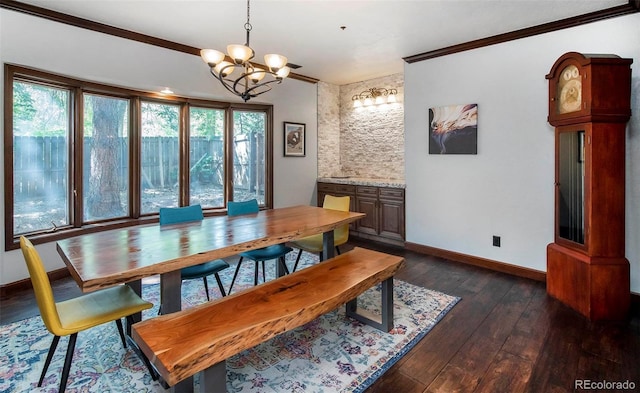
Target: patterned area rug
point(330, 354)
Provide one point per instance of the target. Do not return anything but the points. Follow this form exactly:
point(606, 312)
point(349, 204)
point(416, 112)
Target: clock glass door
point(570, 188)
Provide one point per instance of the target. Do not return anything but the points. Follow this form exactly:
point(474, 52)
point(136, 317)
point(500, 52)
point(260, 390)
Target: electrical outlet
point(496, 241)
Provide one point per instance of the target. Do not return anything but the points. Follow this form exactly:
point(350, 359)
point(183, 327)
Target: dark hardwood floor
point(505, 335)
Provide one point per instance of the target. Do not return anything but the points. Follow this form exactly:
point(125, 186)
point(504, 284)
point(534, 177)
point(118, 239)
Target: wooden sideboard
point(383, 206)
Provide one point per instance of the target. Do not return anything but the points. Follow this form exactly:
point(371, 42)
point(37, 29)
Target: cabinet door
point(367, 205)
point(392, 218)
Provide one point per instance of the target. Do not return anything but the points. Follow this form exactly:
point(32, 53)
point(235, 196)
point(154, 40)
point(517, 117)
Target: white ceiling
point(378, 33)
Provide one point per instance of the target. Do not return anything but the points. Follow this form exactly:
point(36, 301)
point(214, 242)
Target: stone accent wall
point(370, 140)
point(328, 130)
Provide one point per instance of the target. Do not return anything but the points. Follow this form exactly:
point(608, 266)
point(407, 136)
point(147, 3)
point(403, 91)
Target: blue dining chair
point(277, 251)
point(175, 215)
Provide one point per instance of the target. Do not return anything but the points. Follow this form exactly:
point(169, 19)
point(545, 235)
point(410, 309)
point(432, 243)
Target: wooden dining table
point(127, 255)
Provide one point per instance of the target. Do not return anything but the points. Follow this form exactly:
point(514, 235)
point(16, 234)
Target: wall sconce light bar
point(374, 96)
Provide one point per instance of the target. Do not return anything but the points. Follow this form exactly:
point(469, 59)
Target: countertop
point(361, 181)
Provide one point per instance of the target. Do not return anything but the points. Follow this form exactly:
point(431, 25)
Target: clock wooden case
point(589, 104)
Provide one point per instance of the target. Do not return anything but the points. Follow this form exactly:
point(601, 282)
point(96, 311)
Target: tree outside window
point(106, 157)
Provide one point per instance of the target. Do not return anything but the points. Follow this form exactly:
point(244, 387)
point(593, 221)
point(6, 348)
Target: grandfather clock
point(589, 105)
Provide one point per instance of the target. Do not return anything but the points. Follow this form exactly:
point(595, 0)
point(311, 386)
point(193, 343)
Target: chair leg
point(67, 362)
point(295, 266)
point(321, 256)
point(52, 350)
point(217, 276)
point(121, 331)
point(337, 250)
point(255, 273)
point(235, 275)
point(206, 287)
point(264, 276)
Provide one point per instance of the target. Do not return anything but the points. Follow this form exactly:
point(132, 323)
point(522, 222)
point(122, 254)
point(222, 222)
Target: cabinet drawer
point(394, 193)
point(364, 190)
point(345, 188)
point(330, 188)
point(326, 187)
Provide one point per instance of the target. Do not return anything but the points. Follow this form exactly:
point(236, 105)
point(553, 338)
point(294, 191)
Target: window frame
point(77, 89)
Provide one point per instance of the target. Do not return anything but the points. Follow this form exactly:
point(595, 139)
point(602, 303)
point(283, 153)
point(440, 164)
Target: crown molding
point(632, 7)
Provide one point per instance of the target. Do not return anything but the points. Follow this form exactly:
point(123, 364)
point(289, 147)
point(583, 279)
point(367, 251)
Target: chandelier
point(374, 96)
point(250, 82)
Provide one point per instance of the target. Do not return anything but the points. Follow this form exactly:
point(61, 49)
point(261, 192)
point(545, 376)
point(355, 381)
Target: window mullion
point(228, 155)
point(183, 138)
point(135, 167)
point(76, 157)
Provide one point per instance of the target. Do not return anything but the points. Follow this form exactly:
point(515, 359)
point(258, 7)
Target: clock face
point(570, 90)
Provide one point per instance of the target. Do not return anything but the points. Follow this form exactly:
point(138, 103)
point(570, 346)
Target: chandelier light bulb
point(211, 56)
point(239, 53)
point(391, 98)
point(257, 76)
point(275, 62)
point(224, 68)
point(283, 72)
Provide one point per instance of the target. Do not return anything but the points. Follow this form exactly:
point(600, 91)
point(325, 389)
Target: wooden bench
point(201, 338)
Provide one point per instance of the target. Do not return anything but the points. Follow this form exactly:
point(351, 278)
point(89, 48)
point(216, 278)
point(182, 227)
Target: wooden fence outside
point(40, 166)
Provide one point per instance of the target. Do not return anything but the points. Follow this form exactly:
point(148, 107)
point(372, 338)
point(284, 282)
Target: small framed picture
point(294, 139)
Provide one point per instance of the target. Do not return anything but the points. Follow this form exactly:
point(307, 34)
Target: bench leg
point(214, 378)
point(382, 322)
point(184, 386)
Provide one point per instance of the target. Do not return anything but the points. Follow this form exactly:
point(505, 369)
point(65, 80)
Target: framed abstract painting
point(453, 129)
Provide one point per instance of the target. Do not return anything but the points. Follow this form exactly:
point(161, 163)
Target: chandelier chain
point(247, 26)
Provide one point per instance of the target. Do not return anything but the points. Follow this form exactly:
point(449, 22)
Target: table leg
point(328, 245)
point(137, 317)
point(170, 288)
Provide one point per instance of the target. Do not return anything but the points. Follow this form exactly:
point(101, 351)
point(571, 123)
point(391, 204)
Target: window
point(160, 156)
point(82, 156)
point(105, 161)
point(206, 156)
point(40, 157)
point(249, 129)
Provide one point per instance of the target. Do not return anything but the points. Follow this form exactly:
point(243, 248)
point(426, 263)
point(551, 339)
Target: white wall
point(458, 202)
point(84, 54)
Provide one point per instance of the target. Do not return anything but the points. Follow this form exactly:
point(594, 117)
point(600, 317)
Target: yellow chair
point(340, 234)
point(72, 316)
